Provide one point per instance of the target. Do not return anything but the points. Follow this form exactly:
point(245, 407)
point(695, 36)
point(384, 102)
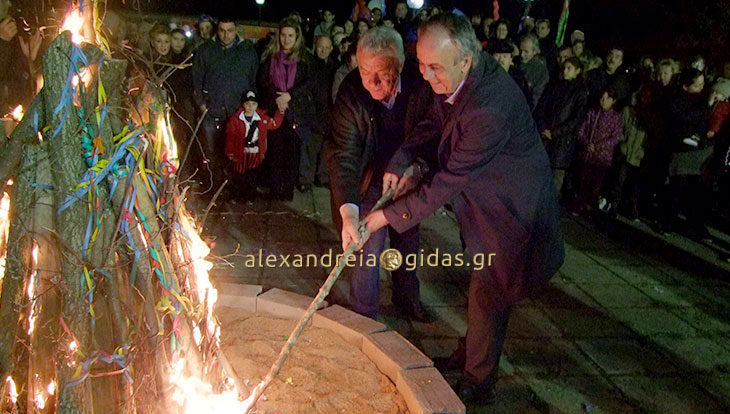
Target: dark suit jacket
point(495, 173)
point(351, 151)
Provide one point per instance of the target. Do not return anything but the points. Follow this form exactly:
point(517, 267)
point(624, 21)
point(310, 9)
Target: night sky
point(654, 27)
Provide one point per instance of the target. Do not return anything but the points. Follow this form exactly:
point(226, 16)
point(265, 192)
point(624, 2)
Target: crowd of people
point(643, 140)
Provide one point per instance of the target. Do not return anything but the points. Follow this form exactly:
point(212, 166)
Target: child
point(597, 137)
point(246, 143)
point(720, 106)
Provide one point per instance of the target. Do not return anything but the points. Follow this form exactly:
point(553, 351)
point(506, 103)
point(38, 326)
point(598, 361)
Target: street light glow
point(260, 2)
point(415, 4)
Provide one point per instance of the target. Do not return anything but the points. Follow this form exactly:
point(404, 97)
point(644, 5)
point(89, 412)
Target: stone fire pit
point(421, 386)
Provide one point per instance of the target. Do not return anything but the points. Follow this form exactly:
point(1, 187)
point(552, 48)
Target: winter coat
point(601, 129)
point(247, 152)
point(688, 117)
point(302, 111)
point(634, 140)
point(221, 76)
point(561, 110)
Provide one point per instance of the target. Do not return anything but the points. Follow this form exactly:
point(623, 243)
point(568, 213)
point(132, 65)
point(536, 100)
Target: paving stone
point(667, 395)
point(283, 304)
point(442, 294)
point(351, 326)
point(426, 392)
point(563, 293)
point(547, 356)
point(648, 322)
point(589, 274)
point(391, 353)
point(238, 295)
point(531, 323)
point(642, 275)
point(619, 356)
point(614, 257)
point(617, 295)
point(696, 354)
point(718, 385)
point(673, 296)
point(453, 317)
point(513, 396)
point(579, 394)
point(583, 323)
point(705, 322)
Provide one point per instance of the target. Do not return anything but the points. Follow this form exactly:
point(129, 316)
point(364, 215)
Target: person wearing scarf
point(286, 83)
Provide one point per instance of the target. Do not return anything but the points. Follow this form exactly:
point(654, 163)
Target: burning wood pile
point(106, 304)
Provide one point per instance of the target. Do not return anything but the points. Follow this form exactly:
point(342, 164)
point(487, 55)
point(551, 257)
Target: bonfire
point(106, 303)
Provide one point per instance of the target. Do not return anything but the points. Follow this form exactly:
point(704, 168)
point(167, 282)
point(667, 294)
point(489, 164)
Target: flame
point(11, 389)
point(84, 75)
point(51, 387)
point(4, 227)
point(31, 291)
point(165, 135)
point(17, 113)
point(73, 346)
point(74, 22)
point(198, 252)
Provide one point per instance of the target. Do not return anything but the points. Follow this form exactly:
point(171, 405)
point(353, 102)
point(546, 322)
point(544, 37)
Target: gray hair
point(383, 39)
point(460, 32)
point(532, 39)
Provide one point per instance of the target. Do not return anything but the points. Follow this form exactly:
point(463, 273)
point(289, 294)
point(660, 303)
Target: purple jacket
point(603, 130)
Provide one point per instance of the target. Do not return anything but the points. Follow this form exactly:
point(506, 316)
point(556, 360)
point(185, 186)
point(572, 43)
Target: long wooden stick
point(323, 292)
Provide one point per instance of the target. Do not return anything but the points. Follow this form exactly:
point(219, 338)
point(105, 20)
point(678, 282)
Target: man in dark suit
point(376, 106)
point(494, 171)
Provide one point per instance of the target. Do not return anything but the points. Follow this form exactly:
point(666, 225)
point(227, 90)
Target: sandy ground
point(323, 374)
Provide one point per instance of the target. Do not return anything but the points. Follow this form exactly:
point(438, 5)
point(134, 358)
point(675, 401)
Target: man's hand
point(203, 108)
point(375, 221)
point(8, 29)
point(547, 134)
point(408, 182)
point(390, 181)
point(350, 225)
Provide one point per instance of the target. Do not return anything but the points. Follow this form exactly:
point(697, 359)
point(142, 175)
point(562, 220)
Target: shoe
point(446, 365)
point(473, 393)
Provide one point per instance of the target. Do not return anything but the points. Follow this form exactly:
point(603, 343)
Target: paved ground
point(633, 322)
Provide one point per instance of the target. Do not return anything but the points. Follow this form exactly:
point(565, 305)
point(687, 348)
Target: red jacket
point(243, 157)
point(719, 114)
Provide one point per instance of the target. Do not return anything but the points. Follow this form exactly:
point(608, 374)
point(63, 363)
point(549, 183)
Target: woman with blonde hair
point(286, 80)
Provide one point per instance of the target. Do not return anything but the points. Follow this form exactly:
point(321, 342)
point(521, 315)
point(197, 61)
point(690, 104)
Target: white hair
point(383, 39)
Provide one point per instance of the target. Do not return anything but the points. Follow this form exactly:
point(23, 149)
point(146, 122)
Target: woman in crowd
point(286, 77)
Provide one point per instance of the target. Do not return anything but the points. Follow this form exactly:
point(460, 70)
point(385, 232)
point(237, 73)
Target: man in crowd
point(223, 71)
point(494, 172)
point(612, 75)
point(401, 21)
point(533, 67)
point(376, 107)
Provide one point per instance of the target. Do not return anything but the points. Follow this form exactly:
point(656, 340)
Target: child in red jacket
point(246, 143)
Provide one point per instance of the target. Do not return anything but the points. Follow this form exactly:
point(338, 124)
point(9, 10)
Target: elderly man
point(375, 109)
point(533, 67)
point(223, 71)
point(494, 172)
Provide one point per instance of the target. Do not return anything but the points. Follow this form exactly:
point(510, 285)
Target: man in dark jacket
point(495, 174)
point(376, 108)
point(222, 72)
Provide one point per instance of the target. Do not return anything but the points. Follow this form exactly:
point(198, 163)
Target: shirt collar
point(450, 100)
point(255, 117)
point(390, 102)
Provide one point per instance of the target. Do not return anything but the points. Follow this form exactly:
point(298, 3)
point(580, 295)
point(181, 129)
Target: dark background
point(658, 28)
